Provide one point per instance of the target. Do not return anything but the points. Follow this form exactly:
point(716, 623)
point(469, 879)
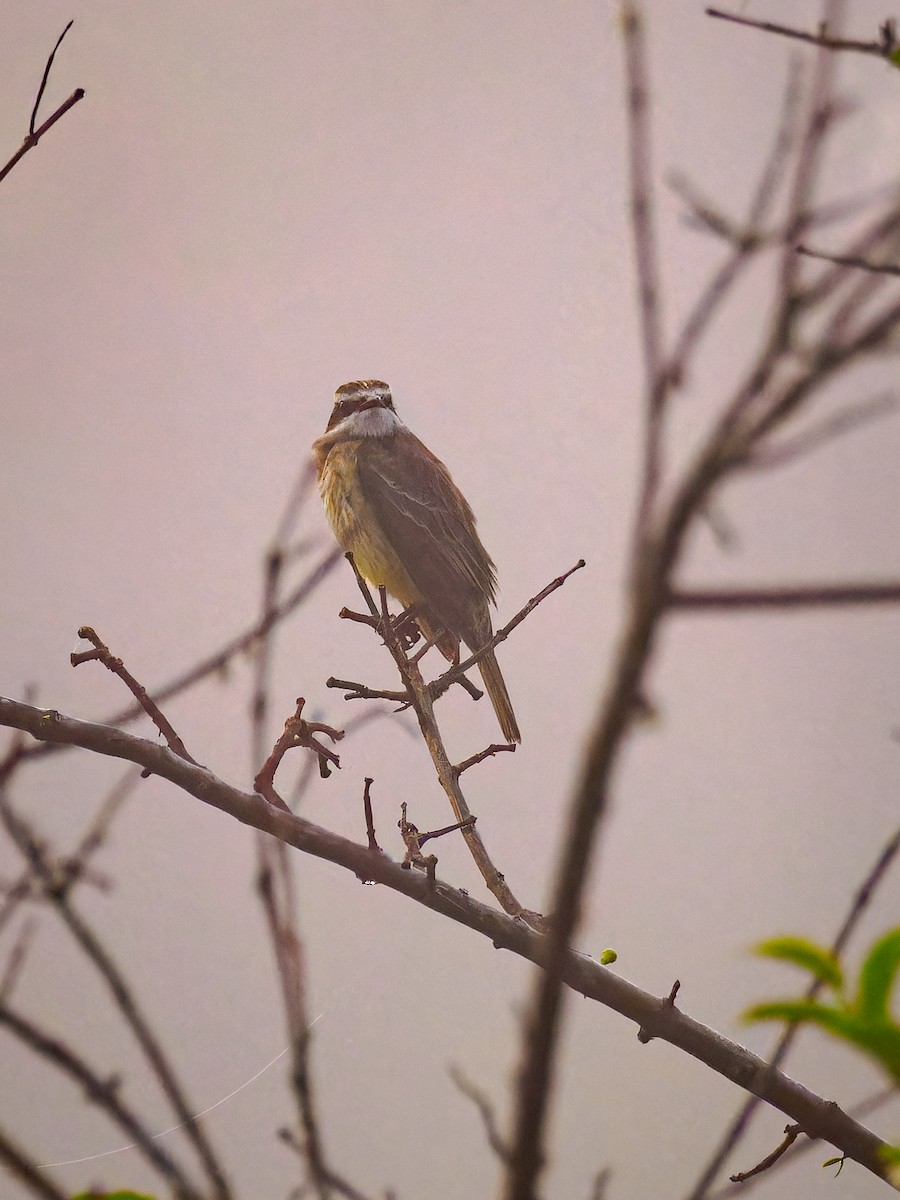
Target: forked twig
point(297, 732)
point(34, 135)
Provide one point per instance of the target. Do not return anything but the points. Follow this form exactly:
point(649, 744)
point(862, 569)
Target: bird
point(393, 505)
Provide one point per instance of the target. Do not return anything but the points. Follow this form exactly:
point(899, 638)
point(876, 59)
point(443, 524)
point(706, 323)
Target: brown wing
point(432, 529)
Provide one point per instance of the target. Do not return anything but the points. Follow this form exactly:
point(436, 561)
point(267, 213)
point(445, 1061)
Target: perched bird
point(396, 508)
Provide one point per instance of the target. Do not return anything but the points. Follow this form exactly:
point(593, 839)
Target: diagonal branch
point(657, 1017)
point(885, 47)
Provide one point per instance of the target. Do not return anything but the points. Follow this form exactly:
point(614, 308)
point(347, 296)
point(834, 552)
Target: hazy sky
point(252, 205)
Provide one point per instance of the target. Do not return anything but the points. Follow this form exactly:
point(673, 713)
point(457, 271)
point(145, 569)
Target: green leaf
point(877, 977)
point(112, 1196)
point(879, 1039)
point(835, 1020)
point(829, 1162)
point(895, 57)
point(806, 954)
point(608, 956)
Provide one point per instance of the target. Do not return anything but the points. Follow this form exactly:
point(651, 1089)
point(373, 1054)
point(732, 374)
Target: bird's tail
point(499, 696)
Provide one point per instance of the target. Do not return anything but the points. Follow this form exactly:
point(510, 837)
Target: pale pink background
point(253, 204)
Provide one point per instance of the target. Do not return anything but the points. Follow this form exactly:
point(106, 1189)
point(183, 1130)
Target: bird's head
point(363, 408)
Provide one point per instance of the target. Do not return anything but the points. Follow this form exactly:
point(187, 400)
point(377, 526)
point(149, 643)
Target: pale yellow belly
point(357, 528)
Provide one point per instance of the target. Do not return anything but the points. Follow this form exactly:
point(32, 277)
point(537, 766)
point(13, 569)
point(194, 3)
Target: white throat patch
point(369, 422)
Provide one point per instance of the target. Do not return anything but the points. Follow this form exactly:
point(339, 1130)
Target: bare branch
point(101, 653)
point(297, 732)
point(489, 752)
point(16, 959)
point(485, 1111)
point(28, 1171)
point(788, 450)
point(102, 1092)
point(31, 848)
point(851, 260)
point(46, 76)
point(276, 888)
point(32, 140)
point(217, 662)
point(579, 973)
point(35, 135)
point(825, 595)
point(443, 682)
point(791, 1133)
point(803, 1144)
point(419, 696)
point(883, 48)
point(640, 164)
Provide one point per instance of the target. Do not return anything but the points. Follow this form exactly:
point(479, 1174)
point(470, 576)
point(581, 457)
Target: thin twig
point(746, 244)
point(883, 48)
point(35, 135)
point(101, 653)
point(851, 260)
point(485, 1111)
point(804, 1144)
point(359, 691)
point(276, 888)
point(443, 682)
point(16, 959)
point(28, 1171)
point(788, 450)
point(640, 165)
point(37, 103)
point(32, 140)
point(217, 662)
point(488, 752)
point(791, 1133)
